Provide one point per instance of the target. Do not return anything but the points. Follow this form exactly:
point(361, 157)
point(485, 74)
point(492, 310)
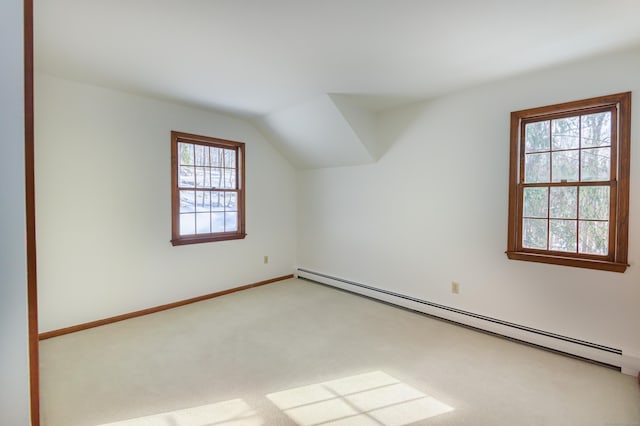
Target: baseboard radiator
point(608, 356)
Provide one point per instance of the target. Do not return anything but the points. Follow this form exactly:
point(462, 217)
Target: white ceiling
point(271, 59)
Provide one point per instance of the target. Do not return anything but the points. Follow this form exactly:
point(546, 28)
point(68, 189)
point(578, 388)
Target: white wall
point(434, 210)
point(14, 350)
point(104, 208)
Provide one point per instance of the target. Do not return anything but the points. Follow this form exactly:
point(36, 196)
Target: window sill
point(206, 239)
point(602, 265)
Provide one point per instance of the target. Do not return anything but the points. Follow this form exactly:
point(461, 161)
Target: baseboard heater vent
point(580, 348)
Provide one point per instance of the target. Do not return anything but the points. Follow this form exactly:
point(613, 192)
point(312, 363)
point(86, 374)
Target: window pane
point(594, 237)
point(230, 158)
point(565, 166)
point(203, 223)
point(217, 222)
point(208, 183)
point(596, 164)
point(536, 168)
point(231, 221)
point(537, 136)
point(229, 179)
point(535, 202)
point(594, 202)
point(231, 201)
point(565, 133)
point(562, 235)
point(187, 201)
point(596, 129)
point(216, 156)
point(187, 224)
point(185, 154)
point(203, 177)
point(216, 177)
point(563, 202)
point(203, 201)
point(217, 201)
point(202, 155)
point(186, 177)
point(534, 233)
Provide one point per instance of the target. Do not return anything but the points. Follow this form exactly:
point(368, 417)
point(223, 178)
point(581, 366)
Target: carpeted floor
point(295, 352)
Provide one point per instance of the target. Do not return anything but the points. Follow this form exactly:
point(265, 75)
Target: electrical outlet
point(455, 287)
point(266, 260)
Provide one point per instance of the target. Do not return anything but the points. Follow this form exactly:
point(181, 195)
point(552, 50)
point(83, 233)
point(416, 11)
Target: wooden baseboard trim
point(110, 320)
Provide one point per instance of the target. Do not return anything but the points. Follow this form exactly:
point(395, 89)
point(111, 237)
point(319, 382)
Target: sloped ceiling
point(326, 131)
point(312, 75)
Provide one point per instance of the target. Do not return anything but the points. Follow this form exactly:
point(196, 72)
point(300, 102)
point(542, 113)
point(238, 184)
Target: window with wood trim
point(569, 183)
point(207, 189)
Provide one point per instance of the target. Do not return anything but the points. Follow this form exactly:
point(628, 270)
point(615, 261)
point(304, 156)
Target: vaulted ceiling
point(312, 75)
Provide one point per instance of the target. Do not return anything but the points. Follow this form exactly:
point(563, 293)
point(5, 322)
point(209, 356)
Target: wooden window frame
point(239, 147)
point(616, 260)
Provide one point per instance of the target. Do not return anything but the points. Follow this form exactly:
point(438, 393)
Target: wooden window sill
point(206, 239)
point(602, 265)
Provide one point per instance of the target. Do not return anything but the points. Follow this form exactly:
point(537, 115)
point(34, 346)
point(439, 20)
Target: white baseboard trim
point(580, 348)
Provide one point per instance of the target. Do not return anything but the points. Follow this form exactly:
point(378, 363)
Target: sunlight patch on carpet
point(365, 399)
point(234, 412)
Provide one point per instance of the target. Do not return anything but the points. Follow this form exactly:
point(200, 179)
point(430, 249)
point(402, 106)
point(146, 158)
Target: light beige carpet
point(295, 352)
